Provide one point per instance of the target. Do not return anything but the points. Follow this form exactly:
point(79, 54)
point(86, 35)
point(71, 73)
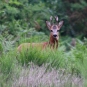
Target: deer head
point(54, 28)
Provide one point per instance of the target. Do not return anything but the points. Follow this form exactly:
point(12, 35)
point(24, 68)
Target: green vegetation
point(24, 21)
point(72, 62)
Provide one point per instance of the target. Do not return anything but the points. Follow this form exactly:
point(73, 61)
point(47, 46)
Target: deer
point(54, 36)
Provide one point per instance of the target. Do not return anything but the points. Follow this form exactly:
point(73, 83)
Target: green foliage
point(6, 63)
point(32, 55)
point(8, 68)
point(20, 15)
point(78, 17)
point(79, 6)
point(73, 61)
point(17, 15)
point(6, 44)
point(32, 36)
point(39, 57)
point(18, 24)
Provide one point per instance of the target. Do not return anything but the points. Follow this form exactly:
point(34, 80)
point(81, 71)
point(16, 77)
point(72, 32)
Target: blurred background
point(22, 19)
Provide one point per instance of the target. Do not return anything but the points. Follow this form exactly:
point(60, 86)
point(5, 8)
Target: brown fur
point(53, 43)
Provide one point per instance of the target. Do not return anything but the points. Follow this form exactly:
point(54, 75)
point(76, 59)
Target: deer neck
point(53, 42)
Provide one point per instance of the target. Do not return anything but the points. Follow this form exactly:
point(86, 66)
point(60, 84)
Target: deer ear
point(48, 24)
point(60, 24)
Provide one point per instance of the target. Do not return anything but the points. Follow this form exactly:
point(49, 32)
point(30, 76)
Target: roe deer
point(54, 36)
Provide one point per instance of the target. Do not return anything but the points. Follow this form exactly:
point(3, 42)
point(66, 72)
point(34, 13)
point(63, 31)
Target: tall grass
point(49, 68)
point(39, 56)
point(8, 68)
point(35, 76)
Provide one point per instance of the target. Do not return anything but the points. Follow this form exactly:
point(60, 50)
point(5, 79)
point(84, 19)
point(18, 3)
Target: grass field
point(47, 68)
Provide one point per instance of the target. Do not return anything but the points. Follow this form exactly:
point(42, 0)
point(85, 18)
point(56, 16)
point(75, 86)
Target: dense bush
point(17, 15)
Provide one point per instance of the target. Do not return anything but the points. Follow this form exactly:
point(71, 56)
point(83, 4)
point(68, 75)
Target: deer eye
point(57, 30)
point(51, 30)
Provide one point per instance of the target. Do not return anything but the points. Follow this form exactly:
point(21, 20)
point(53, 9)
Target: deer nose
point(55, 35)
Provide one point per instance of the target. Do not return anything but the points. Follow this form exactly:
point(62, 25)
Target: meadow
point(43, 68)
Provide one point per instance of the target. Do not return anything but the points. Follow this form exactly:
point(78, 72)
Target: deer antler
point(51, 18)
point(56, 17)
